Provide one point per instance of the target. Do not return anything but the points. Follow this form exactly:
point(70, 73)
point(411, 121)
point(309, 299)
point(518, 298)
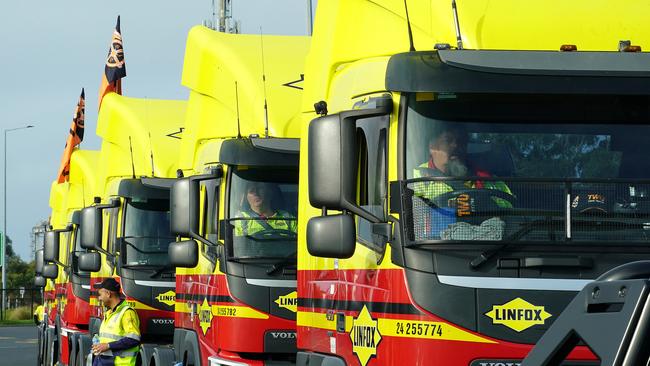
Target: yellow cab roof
point(83, 179)
point(149, 127)
point(58, 202)
point(341, 36)
point(215, 61)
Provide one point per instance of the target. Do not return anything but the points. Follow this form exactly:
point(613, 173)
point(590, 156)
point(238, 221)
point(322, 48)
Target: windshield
point(263, 212)
point(146, 233)
point(527, 168)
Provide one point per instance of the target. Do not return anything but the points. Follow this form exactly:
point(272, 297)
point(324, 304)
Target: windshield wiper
point(161, 270)
point(528, 227)
point(288, 260)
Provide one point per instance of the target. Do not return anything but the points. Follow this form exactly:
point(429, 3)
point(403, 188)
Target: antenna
point(310, 18)
point(459, 39)
point(237, 103)
point(83, 191)
point(153, 175)
point(408, 25)
point(132, 163)
point(266, 107)
point(214, 16)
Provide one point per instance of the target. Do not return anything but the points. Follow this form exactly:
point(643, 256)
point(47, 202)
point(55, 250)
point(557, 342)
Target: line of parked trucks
point(363, 266)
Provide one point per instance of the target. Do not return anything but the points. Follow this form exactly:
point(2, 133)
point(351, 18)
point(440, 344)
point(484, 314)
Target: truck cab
point(126, 229)
point(458, 199)
point(236, 277)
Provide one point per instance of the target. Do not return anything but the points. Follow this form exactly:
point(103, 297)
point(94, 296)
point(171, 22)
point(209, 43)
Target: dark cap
point(109, 284)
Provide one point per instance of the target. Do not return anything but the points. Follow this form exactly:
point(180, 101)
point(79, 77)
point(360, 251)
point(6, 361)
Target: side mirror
point(332, 151)
point(38, 262)
point(50, 271)
point(331, 236)
point(91, 228)
point(51, 246)
point(39, 281)
point(332, 158)
point(184, 207)
point(184, 254)
point(90, 262)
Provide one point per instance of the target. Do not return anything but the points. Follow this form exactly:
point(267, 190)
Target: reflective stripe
point(510, 283)
point(114, 337)
point(127, 354)
point(132, 336)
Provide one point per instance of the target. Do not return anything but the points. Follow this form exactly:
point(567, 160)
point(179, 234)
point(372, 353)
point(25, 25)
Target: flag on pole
point(115, 68)
point(74, 138)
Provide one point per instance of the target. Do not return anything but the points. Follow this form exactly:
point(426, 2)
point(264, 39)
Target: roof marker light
point(568, 48)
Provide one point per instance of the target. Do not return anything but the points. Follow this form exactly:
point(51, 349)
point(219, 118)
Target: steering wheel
point(270, 234)
point(478, 199)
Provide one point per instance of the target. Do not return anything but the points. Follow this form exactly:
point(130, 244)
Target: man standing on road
point(119, 334)
point(39, 313)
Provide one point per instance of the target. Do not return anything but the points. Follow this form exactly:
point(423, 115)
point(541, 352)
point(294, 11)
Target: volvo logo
point(163, 321)
point(283, 335)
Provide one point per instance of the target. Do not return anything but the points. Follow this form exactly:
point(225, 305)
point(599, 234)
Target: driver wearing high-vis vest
point(448, 150)
point(119, 333)
point(260, 211)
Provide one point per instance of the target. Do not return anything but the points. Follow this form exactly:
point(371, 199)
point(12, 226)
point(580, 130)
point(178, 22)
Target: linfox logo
point(518, 314)
point(168, 298)
point(205, 316)
point(163, 321)
point(289, 301)
point(365, 336)
point(283, 335)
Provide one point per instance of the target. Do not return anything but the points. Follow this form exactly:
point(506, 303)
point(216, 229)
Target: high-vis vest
point(275, 222)
point(430, 190)
point(39, 313)
point(114, 328)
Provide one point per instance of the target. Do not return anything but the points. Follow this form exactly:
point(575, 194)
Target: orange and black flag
point(74, 138)
point(115, 68)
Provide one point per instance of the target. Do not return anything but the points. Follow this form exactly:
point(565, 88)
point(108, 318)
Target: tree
point(19, 273)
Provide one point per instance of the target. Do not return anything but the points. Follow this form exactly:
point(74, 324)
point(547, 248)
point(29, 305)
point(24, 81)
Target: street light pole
point(4, 226)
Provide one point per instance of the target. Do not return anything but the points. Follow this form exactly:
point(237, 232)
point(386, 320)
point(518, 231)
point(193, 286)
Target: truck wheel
point(72, 349)
point(41, 344)
point(49, 347)
point(83, 349)
point(163, 356)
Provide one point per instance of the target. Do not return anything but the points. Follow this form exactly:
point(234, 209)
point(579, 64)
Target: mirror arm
point(56, 261)
point(203, 240)
point(105, 252)
point(115, 202)
point(363, 213)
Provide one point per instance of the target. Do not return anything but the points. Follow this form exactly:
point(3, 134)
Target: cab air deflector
point(527, 72)
point(259, 152)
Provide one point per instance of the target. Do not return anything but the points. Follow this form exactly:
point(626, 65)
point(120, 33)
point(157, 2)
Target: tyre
point(49, 347)
point(163, 356)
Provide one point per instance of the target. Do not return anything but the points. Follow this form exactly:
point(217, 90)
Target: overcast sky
point(51, 49)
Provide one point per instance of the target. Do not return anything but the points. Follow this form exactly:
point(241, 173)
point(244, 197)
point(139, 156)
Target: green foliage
point(19, 273)
point(21, 313)
point(555, 155)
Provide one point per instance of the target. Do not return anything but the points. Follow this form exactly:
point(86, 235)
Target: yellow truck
point(237, 204)
point(69, 310)
point(466, 171)
point(126, 230)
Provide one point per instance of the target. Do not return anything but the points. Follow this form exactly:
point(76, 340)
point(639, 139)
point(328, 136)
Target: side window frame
point(210, 217)
point(372, 183)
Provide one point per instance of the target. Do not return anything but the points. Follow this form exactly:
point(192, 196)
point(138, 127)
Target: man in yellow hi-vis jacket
point(119, 334)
